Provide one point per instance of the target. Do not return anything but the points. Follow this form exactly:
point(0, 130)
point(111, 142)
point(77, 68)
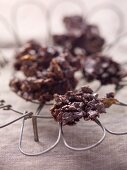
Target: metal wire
point(10, 29)
point(9, 108)
point(114, 132)
point(55, 5)
point(18, 5)
point(116, 41)
point(13, 121)
point(113, 8)
point(98, 88)
point(85, 148)
point(39, 153)
point(3, 60)
point(35, 116)
point(43, 117)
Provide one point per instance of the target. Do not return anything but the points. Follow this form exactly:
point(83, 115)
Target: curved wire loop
point(113, 8)
point(98, 88)
point(39, 153)
point(9, 108)
point(116, 41)
point(117, 89)
point(32, 101)
point(89, 147)
point(17, 6)
point(10, 29)
point(114, 132)
point(56, 4)
point(3, 60)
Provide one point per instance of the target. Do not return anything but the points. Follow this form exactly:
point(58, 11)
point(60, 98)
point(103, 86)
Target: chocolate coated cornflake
point(74, 105)
point(104, 69)
point(109, 100)
point(74, 61)
point(33, 59)
point(58, 78)
point(80, 34)
point(74, 23)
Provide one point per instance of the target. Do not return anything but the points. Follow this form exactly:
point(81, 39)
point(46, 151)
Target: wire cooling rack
point(38, 114)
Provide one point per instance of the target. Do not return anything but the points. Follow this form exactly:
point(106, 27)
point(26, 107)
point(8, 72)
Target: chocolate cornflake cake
point(58, 78)
point(75, 62)
point(104, 69)
point(33, 59)
point(74, 105)
point(75, 23)
point(80, 34)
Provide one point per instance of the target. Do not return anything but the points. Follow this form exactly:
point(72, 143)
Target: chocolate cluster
point(74, 23)
point(58, 78)
point(80, 35)
point(33, 59)
point(104, 69)
point(83, 103)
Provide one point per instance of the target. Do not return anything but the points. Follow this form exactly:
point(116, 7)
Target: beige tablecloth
point(110, 155)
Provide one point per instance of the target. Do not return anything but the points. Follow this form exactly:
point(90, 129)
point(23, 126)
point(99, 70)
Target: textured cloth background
point(110, 155)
